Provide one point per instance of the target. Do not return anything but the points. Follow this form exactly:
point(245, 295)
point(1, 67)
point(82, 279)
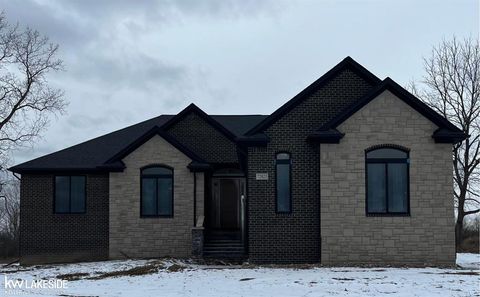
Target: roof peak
point(347, 63)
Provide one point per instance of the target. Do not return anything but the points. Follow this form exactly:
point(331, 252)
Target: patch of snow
point(468, 261)
point(196, 280)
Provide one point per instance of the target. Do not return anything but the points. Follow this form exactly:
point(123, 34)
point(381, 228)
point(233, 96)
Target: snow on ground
point(468, 261)
point(197, 280)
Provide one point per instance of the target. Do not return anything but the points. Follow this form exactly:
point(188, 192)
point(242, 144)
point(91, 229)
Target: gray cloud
point(133, 70)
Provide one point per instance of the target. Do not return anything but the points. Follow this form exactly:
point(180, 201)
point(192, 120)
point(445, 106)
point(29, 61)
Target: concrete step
point(224, 255)
point(223, 248)
point(219, 245)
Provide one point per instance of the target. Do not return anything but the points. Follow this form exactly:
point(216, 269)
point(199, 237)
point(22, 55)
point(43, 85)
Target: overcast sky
point(128, 61)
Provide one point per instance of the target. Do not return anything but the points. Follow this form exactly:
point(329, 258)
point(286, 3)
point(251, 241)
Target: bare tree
point(10, 208)
point(26, 98)
point(451, 86)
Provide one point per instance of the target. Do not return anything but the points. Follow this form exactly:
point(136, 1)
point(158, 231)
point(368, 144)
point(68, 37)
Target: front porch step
point(223, 237)
point(224, 248)
point(223, 245)
point(224, 255)
point(220, 245)
point(223, 240)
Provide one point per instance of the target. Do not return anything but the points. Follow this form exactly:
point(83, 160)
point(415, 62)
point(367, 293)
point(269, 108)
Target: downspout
point(194, 198)
point(19, 228)
point(319, 168)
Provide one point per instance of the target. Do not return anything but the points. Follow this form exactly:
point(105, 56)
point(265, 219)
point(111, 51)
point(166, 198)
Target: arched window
point(283, 183)
point(387, 172)
point(156, 191)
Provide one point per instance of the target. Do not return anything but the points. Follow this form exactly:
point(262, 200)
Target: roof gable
point(147, 136)
point(347, 63)
point(195, 109)
point(447, 132)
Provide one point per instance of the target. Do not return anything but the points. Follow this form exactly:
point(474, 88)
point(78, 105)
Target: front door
point(228, 207)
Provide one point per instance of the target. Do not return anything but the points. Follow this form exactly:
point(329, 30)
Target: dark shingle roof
point(95, 152)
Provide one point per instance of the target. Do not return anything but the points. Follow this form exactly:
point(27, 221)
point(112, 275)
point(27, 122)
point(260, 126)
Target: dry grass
point(455, 273)
point(135, 271)
point(73, 276)
point(175, 268)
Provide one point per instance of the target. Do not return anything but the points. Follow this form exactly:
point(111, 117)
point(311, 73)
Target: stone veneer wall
point(47, 237)
point(133, 236)
point(348, 235)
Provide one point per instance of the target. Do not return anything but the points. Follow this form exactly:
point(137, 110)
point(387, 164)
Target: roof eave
point(448, 136)
point(199, 166)
point(255, 140)
point(328, 136)
point(97, 169)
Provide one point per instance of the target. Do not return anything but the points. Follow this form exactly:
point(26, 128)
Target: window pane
point(78, 194)
point(387, 153)
point(376, 188)
point(283, 187)
point(283, 156)
point(149, 203)
point(165, 196)
point(157, 170)
point(62, 194)
point(397, 187)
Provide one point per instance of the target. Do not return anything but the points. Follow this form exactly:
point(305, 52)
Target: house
point(352, 170)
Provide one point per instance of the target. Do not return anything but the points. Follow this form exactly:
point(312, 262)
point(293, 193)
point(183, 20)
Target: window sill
point(388, 214)
point(156, 217)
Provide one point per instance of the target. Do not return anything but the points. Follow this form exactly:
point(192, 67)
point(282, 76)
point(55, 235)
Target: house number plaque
point(261, 176)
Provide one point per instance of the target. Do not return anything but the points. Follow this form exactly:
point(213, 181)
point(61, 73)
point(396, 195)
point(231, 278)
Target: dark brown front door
point(229, 204)
point(226, 206)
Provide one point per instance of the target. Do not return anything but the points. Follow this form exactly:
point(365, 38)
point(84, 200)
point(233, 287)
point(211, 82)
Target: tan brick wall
point(152, 237)
point(348, 235)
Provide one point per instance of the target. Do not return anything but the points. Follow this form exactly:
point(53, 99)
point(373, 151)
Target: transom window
point(387, 171)
point(70, 194)
point(283, 183)
point(156, 192)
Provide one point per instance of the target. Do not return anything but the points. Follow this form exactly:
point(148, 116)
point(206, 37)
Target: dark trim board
point(447, 131)
point(67, 171)
point(326, 136)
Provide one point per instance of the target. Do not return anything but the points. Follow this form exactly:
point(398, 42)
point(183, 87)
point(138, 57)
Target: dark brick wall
point(49, 237)
point(199, 136)
point(295, 237)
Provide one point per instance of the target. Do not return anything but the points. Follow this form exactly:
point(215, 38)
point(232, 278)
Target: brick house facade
point(290, 187)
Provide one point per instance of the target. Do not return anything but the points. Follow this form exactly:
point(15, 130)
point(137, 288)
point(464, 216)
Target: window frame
point(156, 177)
point(69, 194)
point(387, 161)
point(289, 162)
